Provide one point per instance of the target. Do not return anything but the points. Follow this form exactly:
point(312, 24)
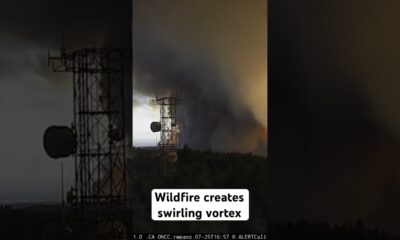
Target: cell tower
point(100, 156)
point(168, 128)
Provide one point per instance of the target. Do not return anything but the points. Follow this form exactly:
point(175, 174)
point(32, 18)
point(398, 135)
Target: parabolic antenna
point(115, 134)
point(155, 126)
point(59, 141)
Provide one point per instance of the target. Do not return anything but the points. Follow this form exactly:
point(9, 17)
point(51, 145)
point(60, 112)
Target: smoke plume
point(223, 96)
point(334, 124)
point(33, 97)
point(212, 117)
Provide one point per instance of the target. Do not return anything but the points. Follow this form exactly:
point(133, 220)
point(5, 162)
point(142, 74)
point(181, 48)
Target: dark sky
point(334, 120)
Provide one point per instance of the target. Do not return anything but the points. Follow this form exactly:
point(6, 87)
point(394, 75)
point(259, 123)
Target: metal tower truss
point(99, 127)
point(169, 126)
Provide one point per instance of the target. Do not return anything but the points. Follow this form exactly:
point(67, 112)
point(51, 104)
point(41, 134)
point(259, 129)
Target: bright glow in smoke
point(143, 113)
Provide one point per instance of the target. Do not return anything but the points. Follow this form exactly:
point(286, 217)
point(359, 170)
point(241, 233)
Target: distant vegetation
point(194, 169)
point(199, 169)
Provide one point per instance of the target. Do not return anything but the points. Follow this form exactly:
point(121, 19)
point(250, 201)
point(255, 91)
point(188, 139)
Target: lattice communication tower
point(100, 189)
point(169, 127)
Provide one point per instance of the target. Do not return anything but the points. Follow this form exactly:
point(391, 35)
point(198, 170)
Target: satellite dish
point(59, 141)
point(155, 126)
point(116, 134)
